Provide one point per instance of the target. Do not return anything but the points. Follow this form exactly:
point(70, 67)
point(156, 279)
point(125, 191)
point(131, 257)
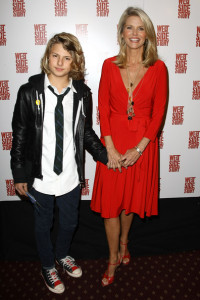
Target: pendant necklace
point(130, 105)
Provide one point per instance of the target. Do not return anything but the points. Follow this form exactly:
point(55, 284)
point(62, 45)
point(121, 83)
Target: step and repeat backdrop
point(27, 25)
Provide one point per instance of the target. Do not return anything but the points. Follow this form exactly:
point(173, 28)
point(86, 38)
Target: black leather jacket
point(27, 125)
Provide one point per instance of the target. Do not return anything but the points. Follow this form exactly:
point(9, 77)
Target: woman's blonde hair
point(72, 45)
point(150, 46)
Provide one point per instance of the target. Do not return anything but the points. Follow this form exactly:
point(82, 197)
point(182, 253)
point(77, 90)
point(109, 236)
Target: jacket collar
point(47, 83)
point(38, 81)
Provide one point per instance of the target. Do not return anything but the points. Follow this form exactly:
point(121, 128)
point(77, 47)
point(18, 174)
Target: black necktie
point(59, 126)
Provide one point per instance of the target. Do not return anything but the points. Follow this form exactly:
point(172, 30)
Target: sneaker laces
point(52, 275)
point(69, 261)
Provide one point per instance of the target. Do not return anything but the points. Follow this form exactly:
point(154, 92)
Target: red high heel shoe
point(128, 256)
point(109, 279)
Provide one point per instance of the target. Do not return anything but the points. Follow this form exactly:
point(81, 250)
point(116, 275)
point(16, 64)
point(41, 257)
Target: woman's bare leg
point(126, 221)
point(112, 227)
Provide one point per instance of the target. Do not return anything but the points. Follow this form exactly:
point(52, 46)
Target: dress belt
point(137, 122)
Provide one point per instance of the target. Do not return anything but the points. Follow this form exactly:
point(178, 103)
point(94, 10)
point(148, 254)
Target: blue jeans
point(68, 220)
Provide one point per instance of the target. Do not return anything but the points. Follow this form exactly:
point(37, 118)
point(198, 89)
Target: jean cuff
point(48, 268)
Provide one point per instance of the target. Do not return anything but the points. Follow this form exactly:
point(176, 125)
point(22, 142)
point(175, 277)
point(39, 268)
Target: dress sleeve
point(159, 102)
point(104, 99)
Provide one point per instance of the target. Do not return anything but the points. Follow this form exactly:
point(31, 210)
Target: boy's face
point(59, 61)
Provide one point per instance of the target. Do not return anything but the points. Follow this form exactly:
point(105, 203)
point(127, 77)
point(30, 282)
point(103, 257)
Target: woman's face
point(134, 32)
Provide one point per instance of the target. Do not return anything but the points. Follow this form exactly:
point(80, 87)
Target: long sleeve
point(92, 142)
point(159, 102)
point(104, 99)
point(20, 133)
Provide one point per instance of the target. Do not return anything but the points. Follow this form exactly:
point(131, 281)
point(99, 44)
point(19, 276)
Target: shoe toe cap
point(60, 288)
point(77, 272)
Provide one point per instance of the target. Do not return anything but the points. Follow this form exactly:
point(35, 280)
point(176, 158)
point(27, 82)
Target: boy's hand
point(21, 188)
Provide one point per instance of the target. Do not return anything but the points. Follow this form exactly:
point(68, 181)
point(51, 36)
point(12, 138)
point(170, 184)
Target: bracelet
point(138, 150)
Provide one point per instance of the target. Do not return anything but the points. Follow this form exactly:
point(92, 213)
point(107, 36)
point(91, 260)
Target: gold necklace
point(130, 109)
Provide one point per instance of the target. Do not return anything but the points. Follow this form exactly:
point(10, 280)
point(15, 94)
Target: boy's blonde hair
point(72, 45)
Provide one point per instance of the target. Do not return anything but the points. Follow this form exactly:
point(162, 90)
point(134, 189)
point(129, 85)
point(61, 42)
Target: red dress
point(136, 188)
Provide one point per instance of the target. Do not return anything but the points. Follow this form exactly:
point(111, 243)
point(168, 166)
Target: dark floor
point(160, 277)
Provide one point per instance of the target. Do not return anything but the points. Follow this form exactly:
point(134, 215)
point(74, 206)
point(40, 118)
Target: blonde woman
point(132, 101)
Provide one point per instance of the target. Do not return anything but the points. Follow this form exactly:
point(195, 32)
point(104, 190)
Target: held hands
point(130, 157)
point(117, 160)
point(114, 158)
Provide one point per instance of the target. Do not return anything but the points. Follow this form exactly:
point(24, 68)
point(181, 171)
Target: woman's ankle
point(113, 260)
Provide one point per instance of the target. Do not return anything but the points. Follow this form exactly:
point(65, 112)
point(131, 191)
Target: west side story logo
point(174, 163)
point(21, 63)
point(10, 187)
point(189, 185)
point(181, 63)
point(6, 140)
point(177, 115)
point(40, 34)
point(196, 90)
point(4, 90)
point(198, 37)
point(19, 8)
point(161, 140)
point(193, 140)
point(2, 35)
point(162, 35)
point(102, 8)
point(60, 8)
point(86, 190)
point(184, 9)
point(82, 30)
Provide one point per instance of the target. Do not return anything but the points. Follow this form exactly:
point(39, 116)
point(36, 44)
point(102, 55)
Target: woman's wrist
point(138, 150)
point(110, 148)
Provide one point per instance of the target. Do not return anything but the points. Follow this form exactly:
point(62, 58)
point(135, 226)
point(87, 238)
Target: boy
point(51, 126)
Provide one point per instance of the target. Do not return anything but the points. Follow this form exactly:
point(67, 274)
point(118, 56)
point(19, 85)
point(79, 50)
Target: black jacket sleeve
point(92, 142)
point(20, 129)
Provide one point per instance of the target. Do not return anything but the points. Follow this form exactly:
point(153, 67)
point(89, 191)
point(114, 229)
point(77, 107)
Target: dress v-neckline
point(137, 86)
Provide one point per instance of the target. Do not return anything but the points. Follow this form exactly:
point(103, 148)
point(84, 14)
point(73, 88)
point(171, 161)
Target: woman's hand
point(21, 188)
point(113, 159)
point(130, 157)
point(113, 155)
point(133, 154)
